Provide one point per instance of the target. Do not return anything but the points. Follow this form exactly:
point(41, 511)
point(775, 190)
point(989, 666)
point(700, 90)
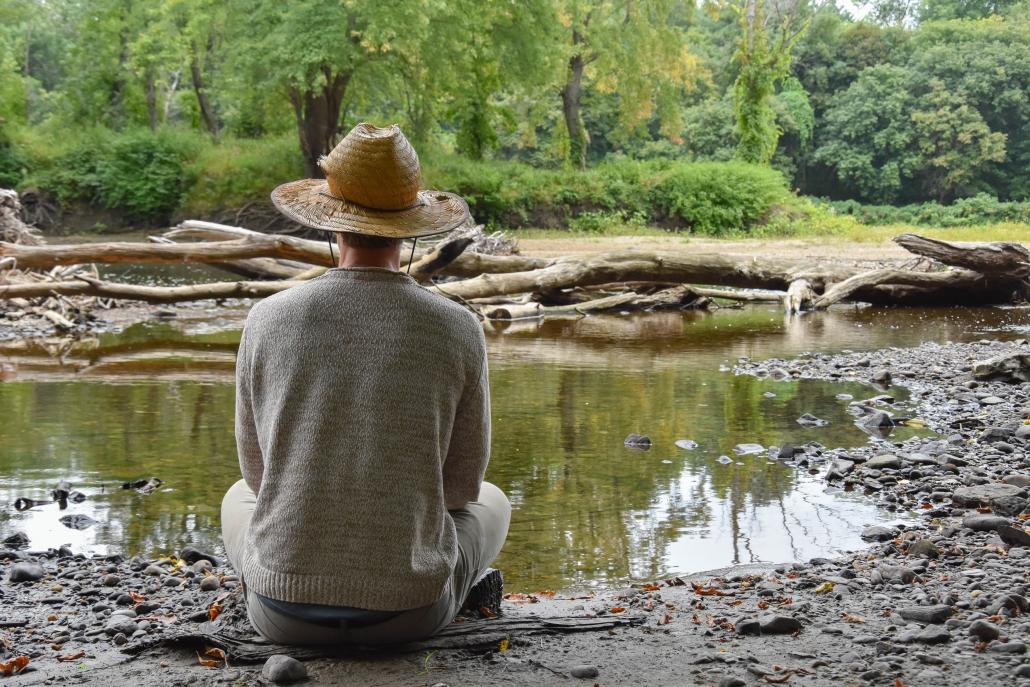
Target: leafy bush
point(239, 171)
point(12, 164)
point(138, 172)
point(966, 212)
point(706, 197)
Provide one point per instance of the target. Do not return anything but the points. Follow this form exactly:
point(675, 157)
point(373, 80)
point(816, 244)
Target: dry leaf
point(15, 666)
point(762, 605)
point(137, 598)
point(217, 653)
point(72, 657)
point(503, 646)
point(649, 587)
point(486, 612)
point(853, 619)
point(788, 601)
point(782, 678)
point(207, 663)
point(898, 682)
point(214, 610)
point(697, 621)
point(618, 609)
point(166, 618)
point(666, 619)
point(708, 619)
point(547, 593)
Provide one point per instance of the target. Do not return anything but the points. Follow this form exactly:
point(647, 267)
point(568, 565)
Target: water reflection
point(157, 400)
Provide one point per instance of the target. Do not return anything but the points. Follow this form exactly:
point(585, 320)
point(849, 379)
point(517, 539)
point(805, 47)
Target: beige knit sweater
point(362, 417)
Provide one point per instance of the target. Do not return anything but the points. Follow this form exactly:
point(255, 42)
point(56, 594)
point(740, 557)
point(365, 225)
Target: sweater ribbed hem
point(356, 590)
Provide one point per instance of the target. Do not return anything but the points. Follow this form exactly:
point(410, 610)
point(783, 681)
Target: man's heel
point(486, 593)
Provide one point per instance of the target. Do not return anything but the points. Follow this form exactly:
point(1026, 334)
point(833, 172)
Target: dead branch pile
point(505, 285)
point(48, 309)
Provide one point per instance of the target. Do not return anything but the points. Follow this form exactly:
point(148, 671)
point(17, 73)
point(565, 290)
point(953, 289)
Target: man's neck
point(387, 258)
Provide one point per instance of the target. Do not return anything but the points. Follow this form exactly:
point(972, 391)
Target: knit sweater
point(362, 417)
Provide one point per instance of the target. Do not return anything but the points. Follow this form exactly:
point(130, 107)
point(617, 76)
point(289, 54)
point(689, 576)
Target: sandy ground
point(810, 249)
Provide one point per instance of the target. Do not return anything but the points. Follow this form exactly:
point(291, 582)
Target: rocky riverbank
point(938, 599)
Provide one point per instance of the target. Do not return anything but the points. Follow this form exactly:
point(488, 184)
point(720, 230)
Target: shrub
point(966, 212)
point(139, 172)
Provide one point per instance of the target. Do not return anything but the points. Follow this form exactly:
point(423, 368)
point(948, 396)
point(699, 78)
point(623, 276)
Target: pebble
point(926, 614)
point(210, 584)
point(780, 624)
point(984, 630)
point(281, 668)
point(732, 681)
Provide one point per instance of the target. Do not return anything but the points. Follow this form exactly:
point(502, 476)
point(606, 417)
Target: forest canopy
point(214, 102)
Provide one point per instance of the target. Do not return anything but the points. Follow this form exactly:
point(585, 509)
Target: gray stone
point(780, 624)
point(983, 522)
point(1008, 367)
point(584, 671)
point(26, 572)
point(878, 533)
point(926, 614)
point(1013, 647)
point(929, 676)
point(637, 440)
point(1022, 432)
point(748, 626)
point(77, 521)
point(896, 574)
point(875, 419)
point(1021, 481)
point(984, 494)
point(1014, 535)
point(282, 668)
point(119, 624)
point(923, 547)
point(842, 466)
point(881, 376)
point(758, 670)
point(1022, 671)
point(984, 630)
point(992, 400)
point(1008, 505)
point(884, 462)
point(931, 635)
point(992, 434)
point(732, 681)
point(154, 571)
point(809, 420)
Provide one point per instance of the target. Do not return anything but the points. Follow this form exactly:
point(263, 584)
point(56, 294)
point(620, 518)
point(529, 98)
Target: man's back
point(362, 418)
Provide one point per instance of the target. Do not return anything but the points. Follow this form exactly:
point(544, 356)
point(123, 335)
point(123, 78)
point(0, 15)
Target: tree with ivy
point(764, 60)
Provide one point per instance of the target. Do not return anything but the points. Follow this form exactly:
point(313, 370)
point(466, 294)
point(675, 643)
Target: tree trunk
point(570, 98)
point(151, 99)
point(28, 54)
point(318, 118)
point(207, 113)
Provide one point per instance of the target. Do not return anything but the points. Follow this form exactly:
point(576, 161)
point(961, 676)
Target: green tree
point(954, 142)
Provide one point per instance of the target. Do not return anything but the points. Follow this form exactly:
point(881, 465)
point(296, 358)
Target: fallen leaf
point(652, 587)
point(166, 618)
point(853, 619)
point(72, 657)
point(824, 587)
point(217, 653)
point(547, 593)
point(984, 510)
point(666, 619)
point(926, 506)
point(514, 597)
point(788, 601)
point(214, 610)
point(15, 666)
point(503, 646)
point(207, 663)
point(486, 612)
point(618, 609)
point(708, 619)
point(898, 682)
point(886, 611)
point(732, 603)
point(137, 598)
point(697, 621)
point(669, 604)
point(782, 678)
point(762, 605)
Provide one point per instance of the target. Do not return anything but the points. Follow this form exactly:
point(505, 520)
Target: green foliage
point(138, 172)
point(981, 209)
point(709, 198)
point(715, 198)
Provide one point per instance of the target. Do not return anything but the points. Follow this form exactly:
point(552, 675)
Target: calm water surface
point(157, 400)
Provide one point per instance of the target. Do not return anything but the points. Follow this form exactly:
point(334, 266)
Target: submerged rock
point(77, 521)
point(809, 420)
point(686, 444)
point(637, 442)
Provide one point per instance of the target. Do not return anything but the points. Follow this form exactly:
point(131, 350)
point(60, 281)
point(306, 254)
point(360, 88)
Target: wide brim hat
point(372, 187)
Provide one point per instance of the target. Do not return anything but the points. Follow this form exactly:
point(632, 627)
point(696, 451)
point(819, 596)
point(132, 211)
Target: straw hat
point(371, 187)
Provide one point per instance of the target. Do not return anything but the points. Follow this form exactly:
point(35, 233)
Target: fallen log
point(253, 246)
point(955, 286)
point(998, 260)
point(85, 286)
point(637, 266)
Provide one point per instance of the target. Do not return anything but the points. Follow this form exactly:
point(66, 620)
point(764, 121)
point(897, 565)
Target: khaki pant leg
point(237, 507)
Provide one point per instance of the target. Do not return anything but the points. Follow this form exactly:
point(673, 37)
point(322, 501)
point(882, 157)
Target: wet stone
point(877, 533)
point(26, 572)
point(983, 494)
point(984, 522)
point(985, 631)
point(926, 614)
point(885, 462)
point(1011, 647)
point(780, 624)
point(209, 584)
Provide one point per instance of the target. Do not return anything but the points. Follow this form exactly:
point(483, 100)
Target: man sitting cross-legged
point(362, 423)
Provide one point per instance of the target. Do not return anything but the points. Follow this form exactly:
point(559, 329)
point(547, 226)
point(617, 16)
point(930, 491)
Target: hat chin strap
point(411, 257)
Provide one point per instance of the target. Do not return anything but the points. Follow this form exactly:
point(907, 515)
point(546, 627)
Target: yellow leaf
point(824, 587)
point(504, 646)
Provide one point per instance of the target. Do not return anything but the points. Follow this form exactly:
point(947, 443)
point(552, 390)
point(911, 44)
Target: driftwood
point(85, 286)
point(473, 635)
point(1000, 260)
